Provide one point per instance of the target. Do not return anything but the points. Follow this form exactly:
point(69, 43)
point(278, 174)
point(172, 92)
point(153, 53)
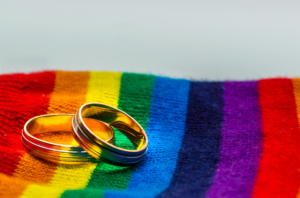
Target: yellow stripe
point(34, 190)
point(102, 87)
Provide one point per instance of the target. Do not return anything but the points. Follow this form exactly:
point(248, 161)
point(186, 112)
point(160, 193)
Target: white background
point(214, 39)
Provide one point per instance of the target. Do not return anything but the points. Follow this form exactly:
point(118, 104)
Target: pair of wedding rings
point(93, 128)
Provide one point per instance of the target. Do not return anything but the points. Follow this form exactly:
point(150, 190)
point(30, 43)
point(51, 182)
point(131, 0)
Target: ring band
point(58, 153)
point(103, 150)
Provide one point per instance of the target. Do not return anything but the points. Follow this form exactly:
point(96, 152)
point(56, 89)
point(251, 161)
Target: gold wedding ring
point(59, 153)
point(104, 150)
point(93, 128)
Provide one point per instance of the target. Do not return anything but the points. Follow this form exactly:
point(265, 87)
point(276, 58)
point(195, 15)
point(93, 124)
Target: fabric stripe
point(136, 95)
point(135, 99)
point(21, 97)
point(34, 190)
point(69, 94)
point(296, 87)
point(279, 174)
point(33, 99)
point(199, 154)
point(11, 187)
point(165, 132)
point(102, 87)
point(85, 193)
point(241, 141)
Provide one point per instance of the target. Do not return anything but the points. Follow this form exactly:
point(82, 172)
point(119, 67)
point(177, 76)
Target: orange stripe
point(68, 95)
point(296, 85)
point(69, 92)
point(35, 170)
point(11, 187)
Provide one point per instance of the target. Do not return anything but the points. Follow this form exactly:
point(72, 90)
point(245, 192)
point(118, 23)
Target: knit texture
point(206, 139)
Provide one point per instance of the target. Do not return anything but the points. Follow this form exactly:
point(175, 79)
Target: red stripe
point(279, 174)
point(21, 97)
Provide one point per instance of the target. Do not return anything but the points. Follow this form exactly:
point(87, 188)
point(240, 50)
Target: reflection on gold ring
point(96, 146)
point(59, 153)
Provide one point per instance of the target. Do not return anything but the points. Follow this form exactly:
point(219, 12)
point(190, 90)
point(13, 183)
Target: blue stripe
point(129, 194)
point(200, 151)
point(165, 132)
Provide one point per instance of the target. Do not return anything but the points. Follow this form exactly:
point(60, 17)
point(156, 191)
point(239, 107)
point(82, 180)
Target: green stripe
point(135, 99)
point(136, 96)
point(86, 193)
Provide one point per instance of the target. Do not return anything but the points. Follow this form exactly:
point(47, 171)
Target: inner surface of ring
point(117, 119)
point(63, 123)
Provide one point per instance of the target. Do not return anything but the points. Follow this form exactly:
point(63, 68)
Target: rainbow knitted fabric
point(206, 139)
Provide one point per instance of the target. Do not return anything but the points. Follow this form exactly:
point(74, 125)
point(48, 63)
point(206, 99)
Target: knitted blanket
point(206, 139)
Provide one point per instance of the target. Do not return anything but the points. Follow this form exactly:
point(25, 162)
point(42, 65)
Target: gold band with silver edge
point(103, 150)
point(58, 153)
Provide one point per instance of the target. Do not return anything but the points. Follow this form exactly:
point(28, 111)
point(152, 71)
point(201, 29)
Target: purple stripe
point(241, 142)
